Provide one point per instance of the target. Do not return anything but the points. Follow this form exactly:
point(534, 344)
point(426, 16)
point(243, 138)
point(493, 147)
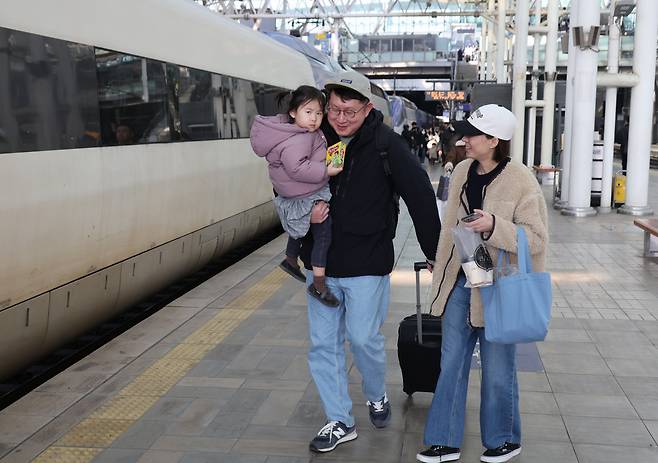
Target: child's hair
point(302, 95)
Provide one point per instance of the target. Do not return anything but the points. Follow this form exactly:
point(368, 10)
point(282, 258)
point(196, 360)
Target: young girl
point(296, 152)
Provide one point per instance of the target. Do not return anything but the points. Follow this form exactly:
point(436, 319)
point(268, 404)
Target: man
point(406, 134)
point(360, 259)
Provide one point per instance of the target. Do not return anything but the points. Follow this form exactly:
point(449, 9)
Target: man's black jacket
point(362, 205)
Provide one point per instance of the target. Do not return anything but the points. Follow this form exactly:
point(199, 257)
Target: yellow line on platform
point(92, 435)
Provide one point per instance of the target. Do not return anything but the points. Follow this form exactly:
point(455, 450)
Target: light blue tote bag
point(517, 308)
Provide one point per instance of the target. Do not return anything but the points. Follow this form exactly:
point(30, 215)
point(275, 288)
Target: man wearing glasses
point(378, 166)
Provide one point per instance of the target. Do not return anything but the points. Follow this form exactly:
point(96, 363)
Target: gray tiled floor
point(590, 395)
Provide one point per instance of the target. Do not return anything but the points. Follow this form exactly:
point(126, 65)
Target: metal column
point(501, 77)
point(565, 161)
point(550, 66)
point(610, 118)
point(519, 77)
point(584, 101)
point(484, 46)
point(639, 131)
point(532, 111)
point(490, 42)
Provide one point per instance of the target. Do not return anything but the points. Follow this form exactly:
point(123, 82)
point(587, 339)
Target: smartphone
point(471, 217)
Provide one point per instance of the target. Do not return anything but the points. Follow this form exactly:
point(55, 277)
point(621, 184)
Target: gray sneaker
point(332, 434)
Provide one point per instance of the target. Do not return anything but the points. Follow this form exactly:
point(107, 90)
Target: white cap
point(352, 80)
point(490, 119)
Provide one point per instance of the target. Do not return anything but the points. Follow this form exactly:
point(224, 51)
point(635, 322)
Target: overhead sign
point(445, 95)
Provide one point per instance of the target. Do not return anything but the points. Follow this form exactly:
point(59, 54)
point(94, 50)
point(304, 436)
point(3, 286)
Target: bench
point(650, 227)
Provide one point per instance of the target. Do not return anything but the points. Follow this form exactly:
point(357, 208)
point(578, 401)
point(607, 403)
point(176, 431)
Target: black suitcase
point(419, 346)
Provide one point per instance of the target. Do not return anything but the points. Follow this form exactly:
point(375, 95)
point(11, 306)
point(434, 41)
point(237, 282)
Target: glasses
point(348, 113)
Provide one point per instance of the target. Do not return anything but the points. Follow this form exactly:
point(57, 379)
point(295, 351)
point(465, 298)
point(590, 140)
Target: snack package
point(336, 154)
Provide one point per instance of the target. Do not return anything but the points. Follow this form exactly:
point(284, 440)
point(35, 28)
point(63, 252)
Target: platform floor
point(220, 375)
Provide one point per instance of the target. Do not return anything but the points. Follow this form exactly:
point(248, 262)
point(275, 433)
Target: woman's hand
point(331, 170)
point(320, 212)
point(482, 225)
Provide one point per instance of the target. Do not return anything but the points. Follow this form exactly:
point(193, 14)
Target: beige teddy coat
point(514, 198)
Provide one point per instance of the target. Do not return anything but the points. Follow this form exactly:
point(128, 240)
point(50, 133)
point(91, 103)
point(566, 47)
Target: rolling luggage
point(419, 346)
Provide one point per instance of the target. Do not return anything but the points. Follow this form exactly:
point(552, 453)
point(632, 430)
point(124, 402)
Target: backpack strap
point(382, 142)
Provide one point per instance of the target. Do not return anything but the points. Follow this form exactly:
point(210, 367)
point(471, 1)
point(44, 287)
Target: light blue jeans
point(500, 421)
point(363, 308)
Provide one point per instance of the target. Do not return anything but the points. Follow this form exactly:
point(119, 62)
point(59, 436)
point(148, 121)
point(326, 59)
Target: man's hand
point(320, 212)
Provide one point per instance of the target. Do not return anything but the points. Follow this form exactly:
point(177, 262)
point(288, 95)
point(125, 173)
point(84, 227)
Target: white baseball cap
point(352, 80)
point(490, 119)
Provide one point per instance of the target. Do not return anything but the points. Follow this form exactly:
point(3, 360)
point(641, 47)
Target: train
point(405, 112)
point(325, 68)
point(125, 161)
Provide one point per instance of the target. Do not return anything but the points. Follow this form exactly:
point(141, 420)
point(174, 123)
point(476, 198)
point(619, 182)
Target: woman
point(506, 194)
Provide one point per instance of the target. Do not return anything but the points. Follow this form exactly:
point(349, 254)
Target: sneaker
point(438, 454)
point(292, 270)
point(501, 454)
point(380, 412)
point(326, 297)
point(332, 434)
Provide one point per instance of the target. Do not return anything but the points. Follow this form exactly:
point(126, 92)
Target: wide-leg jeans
point(362, 311)
point(500, 420)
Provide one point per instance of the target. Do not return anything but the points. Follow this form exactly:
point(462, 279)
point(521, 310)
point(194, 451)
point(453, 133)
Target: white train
point(125, 161)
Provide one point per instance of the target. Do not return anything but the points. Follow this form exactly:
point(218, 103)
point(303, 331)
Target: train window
point(60, 95)
point(132, 96)
point(191, 94)
point(48, 90)
point(377, 91)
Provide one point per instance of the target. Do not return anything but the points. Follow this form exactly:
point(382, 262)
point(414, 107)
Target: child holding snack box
point(300, 166)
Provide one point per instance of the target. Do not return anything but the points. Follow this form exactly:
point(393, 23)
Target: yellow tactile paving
point(167, 367)
point(150, 386)
point(189, 351)
point(67, 455)
point(89, 437)
point(92, 432)
point(125, 407)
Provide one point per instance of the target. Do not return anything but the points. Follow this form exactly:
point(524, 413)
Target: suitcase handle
point(418, 266)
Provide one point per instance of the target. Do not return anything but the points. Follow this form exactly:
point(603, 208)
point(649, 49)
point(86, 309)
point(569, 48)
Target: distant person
point(621, 137)
point(406, 134)
point(415, 139)
point(296, 153)
point(445, 137)
point(124, 135)
point(460, 54)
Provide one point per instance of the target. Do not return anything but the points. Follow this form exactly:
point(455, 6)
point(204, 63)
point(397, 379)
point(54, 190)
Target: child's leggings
point(321, 240)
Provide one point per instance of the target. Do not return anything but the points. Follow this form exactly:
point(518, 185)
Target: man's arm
point(414, 187)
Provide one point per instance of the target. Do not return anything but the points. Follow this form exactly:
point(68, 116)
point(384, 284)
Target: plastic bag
point(475, 259)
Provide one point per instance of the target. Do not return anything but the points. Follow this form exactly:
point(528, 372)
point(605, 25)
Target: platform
point(220, 374)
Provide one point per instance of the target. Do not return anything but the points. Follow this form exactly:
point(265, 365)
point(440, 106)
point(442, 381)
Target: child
point(296, 152)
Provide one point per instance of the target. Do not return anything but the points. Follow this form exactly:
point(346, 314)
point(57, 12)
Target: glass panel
point(48, 90)
point(193, 106)
point(132, 94)
point(397, 44)
point(408, 44)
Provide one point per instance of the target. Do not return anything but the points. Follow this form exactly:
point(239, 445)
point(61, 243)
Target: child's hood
point(269, 131)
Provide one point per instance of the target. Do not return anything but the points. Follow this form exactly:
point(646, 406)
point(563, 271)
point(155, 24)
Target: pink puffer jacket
point(296, 156)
